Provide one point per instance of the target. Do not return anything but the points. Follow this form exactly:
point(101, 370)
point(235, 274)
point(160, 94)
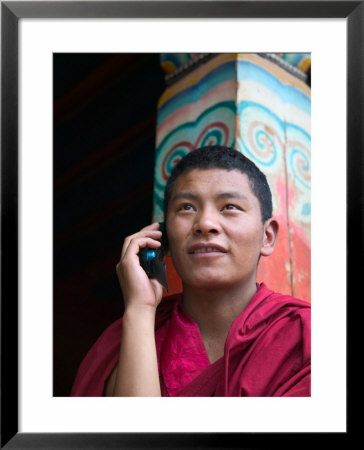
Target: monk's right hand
point(139, 291)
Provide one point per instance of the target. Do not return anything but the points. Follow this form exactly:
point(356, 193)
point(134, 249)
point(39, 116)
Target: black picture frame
point(11, 12)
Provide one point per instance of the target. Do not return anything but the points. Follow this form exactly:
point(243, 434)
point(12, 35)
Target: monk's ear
point(271, 228)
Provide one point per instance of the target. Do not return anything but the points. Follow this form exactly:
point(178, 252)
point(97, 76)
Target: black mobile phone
point(151, 259)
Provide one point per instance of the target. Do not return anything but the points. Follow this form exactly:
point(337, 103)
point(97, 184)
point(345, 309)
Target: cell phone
point(151, 259)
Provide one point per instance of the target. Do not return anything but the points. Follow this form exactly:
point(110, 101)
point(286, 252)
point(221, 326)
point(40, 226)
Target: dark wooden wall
point(104, 139)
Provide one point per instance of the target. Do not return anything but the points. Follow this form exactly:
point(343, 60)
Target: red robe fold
point(267, 352)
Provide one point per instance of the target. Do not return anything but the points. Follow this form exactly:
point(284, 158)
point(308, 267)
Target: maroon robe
point(267, 352)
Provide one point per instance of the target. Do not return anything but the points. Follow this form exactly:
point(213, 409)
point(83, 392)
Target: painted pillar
point(260, 105)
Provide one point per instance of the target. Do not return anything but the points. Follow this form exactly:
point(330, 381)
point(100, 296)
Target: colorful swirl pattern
point(299, 164)
point(299, 167)
point(206, 130)
point(261, 135)
point(267, 140)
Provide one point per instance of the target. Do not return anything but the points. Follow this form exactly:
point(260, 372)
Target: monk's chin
point(207, 283)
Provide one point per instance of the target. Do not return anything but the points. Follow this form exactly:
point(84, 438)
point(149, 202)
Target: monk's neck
point(214, 310)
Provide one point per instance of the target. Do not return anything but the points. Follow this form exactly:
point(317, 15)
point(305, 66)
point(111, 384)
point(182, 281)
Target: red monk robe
point(267, 352)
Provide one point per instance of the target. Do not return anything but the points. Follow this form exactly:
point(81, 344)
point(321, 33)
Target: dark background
point(103, 166)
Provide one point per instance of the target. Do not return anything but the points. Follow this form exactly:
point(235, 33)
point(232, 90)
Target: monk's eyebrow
point(232, 194)
point(184, 196)
point(221, 196)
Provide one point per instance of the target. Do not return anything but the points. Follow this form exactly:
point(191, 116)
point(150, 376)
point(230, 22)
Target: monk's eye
point(186, 207)
point(230, 207)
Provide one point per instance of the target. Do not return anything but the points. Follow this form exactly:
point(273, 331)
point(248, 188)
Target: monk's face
point(215, 230)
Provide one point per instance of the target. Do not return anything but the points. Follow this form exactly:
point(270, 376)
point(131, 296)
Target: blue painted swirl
point(178, 154)
point(261, 134)
point(216, 136)
point(299, 165)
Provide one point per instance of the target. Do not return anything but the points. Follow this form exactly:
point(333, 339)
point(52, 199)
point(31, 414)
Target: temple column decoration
point(260, 104)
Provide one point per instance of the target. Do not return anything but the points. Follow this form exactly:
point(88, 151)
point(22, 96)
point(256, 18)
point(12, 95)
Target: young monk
point(224, 335)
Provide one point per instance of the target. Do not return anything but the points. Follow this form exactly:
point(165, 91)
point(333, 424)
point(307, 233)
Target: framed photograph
point(38, 41)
